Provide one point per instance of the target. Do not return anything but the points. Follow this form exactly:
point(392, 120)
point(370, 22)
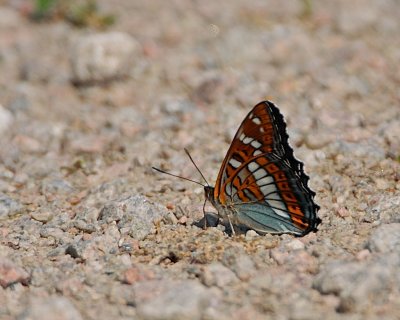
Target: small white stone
point(6, 119)
point(103, 56)
point(251, 234)
point(295, 244)
point(381, 184)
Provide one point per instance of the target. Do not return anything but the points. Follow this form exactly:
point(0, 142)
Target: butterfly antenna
point(174, 175)
point(191, 159)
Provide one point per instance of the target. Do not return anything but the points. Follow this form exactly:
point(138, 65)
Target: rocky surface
point(89, 231)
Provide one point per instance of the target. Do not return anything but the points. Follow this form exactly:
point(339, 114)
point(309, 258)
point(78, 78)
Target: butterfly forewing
point(258, 133)
point(262, 181)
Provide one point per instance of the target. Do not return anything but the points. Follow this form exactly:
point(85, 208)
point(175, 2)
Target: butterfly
point(261, 185)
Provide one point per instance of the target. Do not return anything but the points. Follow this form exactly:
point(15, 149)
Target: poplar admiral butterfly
point(261, 185)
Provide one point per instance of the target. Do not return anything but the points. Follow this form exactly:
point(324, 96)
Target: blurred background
point(98, 84)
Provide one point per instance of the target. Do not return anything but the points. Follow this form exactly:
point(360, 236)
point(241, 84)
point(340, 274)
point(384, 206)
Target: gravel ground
point(89, 231)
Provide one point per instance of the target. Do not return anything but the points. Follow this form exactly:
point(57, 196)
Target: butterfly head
point(209, 193)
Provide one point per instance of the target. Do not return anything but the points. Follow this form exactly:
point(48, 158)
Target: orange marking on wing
point(279, 176)
point(295, 209)
point(300, 223)
point(296, 216)
point(250, 184)
point(272, 168)
point(242, 196)
point(246, 151)
point(236, 184)
point(230, 170)
point(221, 198)
point(217, 184)
point(262, 161)
point(284, 186)
point(289, 197)
point(256, 191)
point(266, 137)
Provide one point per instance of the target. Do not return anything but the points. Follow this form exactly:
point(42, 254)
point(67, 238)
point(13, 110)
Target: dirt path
point(89, 231)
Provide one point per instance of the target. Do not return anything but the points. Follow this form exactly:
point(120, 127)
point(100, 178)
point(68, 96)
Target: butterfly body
point(261, 185)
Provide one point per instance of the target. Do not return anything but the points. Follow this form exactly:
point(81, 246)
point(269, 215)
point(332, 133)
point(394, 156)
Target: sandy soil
point(89, 231)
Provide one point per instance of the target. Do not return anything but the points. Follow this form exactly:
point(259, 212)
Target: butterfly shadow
point(211, 220)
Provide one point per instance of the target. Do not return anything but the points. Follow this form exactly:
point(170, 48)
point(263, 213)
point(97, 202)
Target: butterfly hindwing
point(282, 207)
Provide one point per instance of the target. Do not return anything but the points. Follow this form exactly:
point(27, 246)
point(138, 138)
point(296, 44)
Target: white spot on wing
point(277, 204)
point(268, 189)
point(247, 140)
point(264, 181)
point(242, 136)
point(273, 198)
point(256, 152)
point(256, 144)
point(228, 189)
point(234, 163)
point(253, 166)
point(256, 120)
point(282, 213)
point(282, 226)
point(259, 174)
point(234, 191)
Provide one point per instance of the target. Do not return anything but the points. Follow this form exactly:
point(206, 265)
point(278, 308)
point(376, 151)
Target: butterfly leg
point(204, 214)
point(230, 224)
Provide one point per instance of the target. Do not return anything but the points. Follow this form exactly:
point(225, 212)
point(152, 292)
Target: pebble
point(391, 132)
point(357, 18)
point(105, 192)
point(216, 274)
point(176, 106)
point(56, 233)
point(9, 207)
point(42, 216)
point(10, 273)
point(385, 238)
point(88, 214)
point(240, 263)
point(9, 19)
point(136, 274)
point(84, 226)
point(28, 144)
point(359, 284)
point(131, 276)
point(386, 207)
point(103, 57)
point(171, 300)
point(92, 248)
point(209, 90)
point(6, 119)
point(251, 234)
point(279, 256)
point(50, 308)
point(363, 255)
point(382, 184)
point(134, 213)
point(56, 186)
point(88, 144)
point(295, 244)
point(368, 149)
